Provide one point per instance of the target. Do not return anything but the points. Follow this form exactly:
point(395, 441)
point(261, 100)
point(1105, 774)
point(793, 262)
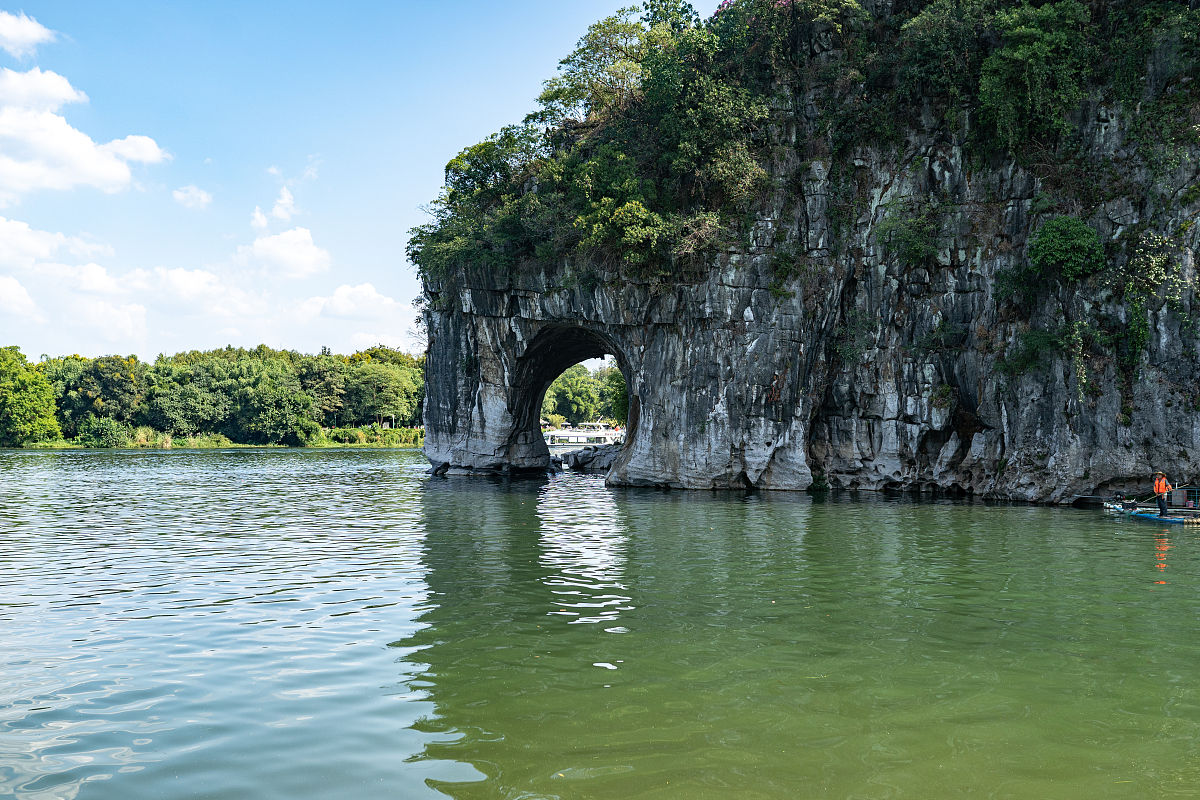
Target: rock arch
point(714, 379)
point(553, 349)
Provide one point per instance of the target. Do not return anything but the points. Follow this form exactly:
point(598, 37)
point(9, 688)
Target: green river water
point(337, 624)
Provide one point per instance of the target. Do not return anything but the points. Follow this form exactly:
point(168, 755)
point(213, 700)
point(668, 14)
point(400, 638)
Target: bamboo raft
point(1175, 516)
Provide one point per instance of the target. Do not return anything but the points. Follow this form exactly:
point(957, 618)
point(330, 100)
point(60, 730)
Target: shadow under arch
point(549, 354)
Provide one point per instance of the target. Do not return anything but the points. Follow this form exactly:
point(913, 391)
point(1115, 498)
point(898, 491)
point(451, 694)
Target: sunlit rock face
point(856, 368)
point(711, 401)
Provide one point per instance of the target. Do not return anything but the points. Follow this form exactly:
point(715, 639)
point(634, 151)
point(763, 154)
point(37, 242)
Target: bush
point(1037, 76)
point(1032, 350)
point(1066, 247)
point(348, 436)
point(102, 432)
point(145, 436)
point(209, 441)
point(372, 437)
point(942, 49)
point(911, 237)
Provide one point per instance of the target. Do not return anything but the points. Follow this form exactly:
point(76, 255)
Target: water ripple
point(326, 624)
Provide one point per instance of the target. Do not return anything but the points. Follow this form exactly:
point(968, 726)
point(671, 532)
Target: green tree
point(109, 386)
point(377, 391)
point(26, 402)
point(188, 397)
point(268, 405)
point(673, 15)
point(602, 73)
point(66, 377)
point(116, 383)
point(573, 395)
point(614, 393)
point(388, 355)
point(323, 378)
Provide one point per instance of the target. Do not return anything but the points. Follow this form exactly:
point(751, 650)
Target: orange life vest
point(1161, 486)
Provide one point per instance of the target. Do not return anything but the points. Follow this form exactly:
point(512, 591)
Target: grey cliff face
point(856, 367)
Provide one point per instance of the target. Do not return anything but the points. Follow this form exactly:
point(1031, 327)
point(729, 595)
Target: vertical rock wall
point(853, 366)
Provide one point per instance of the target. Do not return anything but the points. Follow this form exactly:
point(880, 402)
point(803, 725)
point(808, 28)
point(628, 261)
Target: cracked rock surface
point(855, 367)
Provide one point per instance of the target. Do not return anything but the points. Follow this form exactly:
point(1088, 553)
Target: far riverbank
point(145, 438)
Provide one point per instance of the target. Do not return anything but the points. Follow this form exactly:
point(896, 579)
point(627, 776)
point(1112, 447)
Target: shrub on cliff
point(1066, 247)
point(910, 234)
point(1031, 82)
point(943, 49)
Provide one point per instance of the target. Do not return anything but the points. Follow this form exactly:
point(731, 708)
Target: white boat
point(584, 434)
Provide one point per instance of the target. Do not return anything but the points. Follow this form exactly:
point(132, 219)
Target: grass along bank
point(146, 438)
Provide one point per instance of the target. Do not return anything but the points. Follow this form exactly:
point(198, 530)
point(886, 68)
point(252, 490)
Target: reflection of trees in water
point(481, 559)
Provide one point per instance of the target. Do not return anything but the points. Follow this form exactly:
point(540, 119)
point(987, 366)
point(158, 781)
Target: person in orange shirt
point(1161, 487)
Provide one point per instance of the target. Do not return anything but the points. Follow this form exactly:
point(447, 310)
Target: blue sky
point(190, 175)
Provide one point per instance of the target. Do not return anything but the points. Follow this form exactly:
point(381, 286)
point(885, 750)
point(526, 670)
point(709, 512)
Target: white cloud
point(39, 150)
point(189, 283)
point(258, 219)
point(193, 292)
point(20, 35)
point(291, 253)
point(285, 206)
point(14, 299)
point(90, 278)
point(22, 246)
point(191, 197)
point(123, 324)
point(310, 170)
point(351, 302)
point(37, 90)
point(136, 148)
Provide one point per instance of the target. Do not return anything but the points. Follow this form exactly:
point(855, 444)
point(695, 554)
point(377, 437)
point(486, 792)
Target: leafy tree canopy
point(26, 402)
point(250, 396)
point(578, 395)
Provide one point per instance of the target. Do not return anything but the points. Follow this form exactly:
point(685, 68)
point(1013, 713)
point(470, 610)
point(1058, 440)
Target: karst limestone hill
point(886, 245)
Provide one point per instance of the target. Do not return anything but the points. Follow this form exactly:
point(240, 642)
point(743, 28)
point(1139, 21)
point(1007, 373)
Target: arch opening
point(549, 355)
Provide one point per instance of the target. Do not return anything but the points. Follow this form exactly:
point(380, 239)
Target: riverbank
point(144, 438)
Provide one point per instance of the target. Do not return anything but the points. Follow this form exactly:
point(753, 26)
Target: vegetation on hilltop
point(653, 144)
point(663, 138)
point(212, 398)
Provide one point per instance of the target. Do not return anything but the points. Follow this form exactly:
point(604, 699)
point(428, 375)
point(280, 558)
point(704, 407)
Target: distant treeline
point(579, 395)
point(230, 396)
